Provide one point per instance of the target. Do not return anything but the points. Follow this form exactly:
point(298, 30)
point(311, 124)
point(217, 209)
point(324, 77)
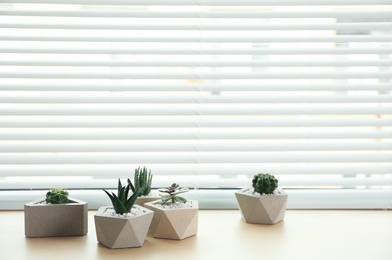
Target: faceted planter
point(117, 231)
point(144, 199)
point(174, 223)
point(55, 220)
point(262, 209)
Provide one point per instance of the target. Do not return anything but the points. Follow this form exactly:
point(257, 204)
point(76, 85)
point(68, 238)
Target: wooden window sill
point(304, 234)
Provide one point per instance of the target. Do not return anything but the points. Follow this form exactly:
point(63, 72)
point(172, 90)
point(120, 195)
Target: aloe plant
point(57, 196)
point(172, 192)
point(142, 178)
point(121, 203)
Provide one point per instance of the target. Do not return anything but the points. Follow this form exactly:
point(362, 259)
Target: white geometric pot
point(176, 223)
point(262, 209)
point(115, 231)
point(148, 198)
point(55, 220)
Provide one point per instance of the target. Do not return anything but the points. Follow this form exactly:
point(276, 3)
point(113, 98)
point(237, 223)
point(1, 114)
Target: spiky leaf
point(142, 180)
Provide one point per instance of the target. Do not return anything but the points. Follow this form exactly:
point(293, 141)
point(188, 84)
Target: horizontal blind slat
point(331, 183)
point(60, 86)
point(228, 63)
point(204, 39)
point(186, 146)
point(162, 170)
point(208, 14)
point(170, 134)
point(292, 110)
point(197, 75)
point(195, 99)
point(191, 157)
point(200, 51)
point(166, 122)
point(206, 2)
point(206, 27)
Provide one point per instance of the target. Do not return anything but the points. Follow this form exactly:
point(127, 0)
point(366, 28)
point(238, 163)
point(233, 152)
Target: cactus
point(264, 183)
point(172, 192)
point(121, 203)
point(142, 178)
point(57, 196)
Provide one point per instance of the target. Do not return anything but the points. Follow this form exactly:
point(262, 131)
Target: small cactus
point(57, 196)
point(264, 183)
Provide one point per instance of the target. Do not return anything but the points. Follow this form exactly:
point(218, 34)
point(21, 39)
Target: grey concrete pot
point(174, 223)
point(122, 232)
point(262, 209)
point(55, 220)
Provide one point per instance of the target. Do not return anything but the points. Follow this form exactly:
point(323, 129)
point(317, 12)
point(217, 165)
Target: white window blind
point(205, 93)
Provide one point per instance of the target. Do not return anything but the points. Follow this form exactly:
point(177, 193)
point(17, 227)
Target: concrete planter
point(55, 220)
point(145, 199)
point(174, 223)
point(262, 209)
point(122, 232)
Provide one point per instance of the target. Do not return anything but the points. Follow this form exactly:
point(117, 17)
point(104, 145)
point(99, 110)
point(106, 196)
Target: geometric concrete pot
point(262, 209)
point(148, 198)
point(115, 231)
point(177, 223)
point(55, 220)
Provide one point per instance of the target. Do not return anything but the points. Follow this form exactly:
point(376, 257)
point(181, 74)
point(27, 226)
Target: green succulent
point(142, 178)
point(121, 203)
point(264, 183)
point(57, 196)
point(172, 193)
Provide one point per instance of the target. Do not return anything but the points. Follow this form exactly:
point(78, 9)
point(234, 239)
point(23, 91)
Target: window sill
point(304, 234)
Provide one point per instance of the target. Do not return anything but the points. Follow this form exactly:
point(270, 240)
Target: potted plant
point(174, 216)
point(143, 178)
point(56, 215)
point(123, 224)
point(263, 203)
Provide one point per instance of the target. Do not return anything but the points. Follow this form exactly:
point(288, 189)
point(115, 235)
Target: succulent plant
point(264, 183)
point(121, 203)
point(57, 196)
point(172, 193)
point(142, 178)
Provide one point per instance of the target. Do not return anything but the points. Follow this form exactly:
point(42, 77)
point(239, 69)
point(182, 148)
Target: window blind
point(205, 93)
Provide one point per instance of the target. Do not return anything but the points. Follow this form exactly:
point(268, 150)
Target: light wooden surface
point(304, 234)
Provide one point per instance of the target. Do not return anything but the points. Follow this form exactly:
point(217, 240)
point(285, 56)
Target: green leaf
point(119, 186)
point(131, 185)
point(165, 199)
point(180, 199)
point(121, 195)
point(111, 197)
point(131, 201)
point(120, 208)
point(126, 192)
point(180, 191)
